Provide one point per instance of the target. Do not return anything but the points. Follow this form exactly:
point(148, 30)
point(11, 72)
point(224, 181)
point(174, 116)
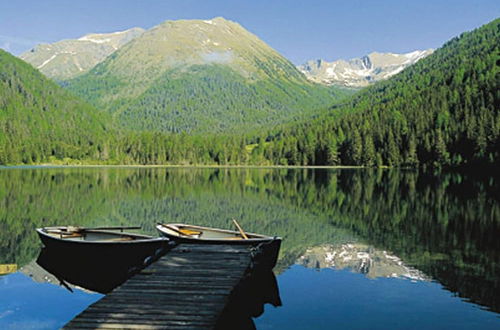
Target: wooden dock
point(187, 288)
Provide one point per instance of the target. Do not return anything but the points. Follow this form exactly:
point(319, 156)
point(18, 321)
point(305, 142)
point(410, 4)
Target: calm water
point(362, 249)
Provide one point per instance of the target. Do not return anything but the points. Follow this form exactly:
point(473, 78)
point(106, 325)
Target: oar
point(173, 229)
point(110, 228)
point(240, 229)
point(72, 229)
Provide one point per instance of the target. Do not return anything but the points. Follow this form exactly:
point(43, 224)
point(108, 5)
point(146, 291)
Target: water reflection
point(360, 258)
point(445, 225)
point(7, 269)
point(92, 273)
point(248, 299)
point(257, 288)
point(40, 274)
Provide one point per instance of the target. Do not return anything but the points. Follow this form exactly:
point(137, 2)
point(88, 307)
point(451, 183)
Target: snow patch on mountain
point(54, 56)
point(84, 53)
point(360, 72)
point(97, 41)
point(47, 61)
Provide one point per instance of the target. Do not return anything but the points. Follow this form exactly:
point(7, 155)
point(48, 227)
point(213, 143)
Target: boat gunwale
point(259, 238)
point(138, 238)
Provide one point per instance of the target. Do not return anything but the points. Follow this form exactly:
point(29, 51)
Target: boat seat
point(119, 239)
point(65, 234)
point(189, 232)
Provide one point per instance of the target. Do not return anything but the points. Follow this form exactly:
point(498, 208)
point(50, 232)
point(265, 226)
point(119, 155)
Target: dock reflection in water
point(248, 299)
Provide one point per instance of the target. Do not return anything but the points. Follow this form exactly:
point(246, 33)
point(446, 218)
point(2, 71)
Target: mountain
point(69, 58)
point(443, 110)
point(360, 72)
point(199, 76)
point(38, 119)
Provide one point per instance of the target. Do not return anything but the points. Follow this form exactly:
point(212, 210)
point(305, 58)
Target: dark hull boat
point(265, 248)
point(102, 245)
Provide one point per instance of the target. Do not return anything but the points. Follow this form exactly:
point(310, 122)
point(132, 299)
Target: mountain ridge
point(362, 71)
point(69, 58)
point(199, 75)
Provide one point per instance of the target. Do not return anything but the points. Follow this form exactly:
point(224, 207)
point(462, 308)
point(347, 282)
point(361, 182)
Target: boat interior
point(91, 235)
point(205, 233)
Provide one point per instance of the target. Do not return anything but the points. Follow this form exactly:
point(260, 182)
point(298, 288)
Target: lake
point(378, 249)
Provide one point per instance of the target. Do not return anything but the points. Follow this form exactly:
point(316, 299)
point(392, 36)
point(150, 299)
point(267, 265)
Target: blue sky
point(300, 30)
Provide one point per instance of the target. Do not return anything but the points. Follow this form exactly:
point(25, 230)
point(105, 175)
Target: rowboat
point(105, 243)
point(197, 234)
point(266, 248)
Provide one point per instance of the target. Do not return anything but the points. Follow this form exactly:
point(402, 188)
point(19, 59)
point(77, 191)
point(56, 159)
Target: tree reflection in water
point(445, 225)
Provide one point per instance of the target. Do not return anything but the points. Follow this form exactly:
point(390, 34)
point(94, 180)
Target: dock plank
point(187, 288)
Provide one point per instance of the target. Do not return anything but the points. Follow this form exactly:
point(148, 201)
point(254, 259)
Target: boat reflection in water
point(93, 273)
point(247, 300)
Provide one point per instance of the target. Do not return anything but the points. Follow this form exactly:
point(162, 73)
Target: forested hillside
point(209, 99)
point(38, 119)
point(444, 110)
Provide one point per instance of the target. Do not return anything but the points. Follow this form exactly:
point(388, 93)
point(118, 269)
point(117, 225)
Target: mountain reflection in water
point(360, 258)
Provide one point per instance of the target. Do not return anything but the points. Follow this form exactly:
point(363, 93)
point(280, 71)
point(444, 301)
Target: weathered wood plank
point(202, 307)
point(152, 277)
point(152, 310)
point(146, 318)
point(173, 275)
point(183, 272)
point(197, 265)
point(180, 283)
point(104, 324)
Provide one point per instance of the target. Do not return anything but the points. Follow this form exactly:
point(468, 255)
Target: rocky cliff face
point(66, 59)
point(359, 258)
point(360, 72)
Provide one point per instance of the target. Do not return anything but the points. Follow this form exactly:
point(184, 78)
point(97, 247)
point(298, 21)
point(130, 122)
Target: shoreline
point(190, 166)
